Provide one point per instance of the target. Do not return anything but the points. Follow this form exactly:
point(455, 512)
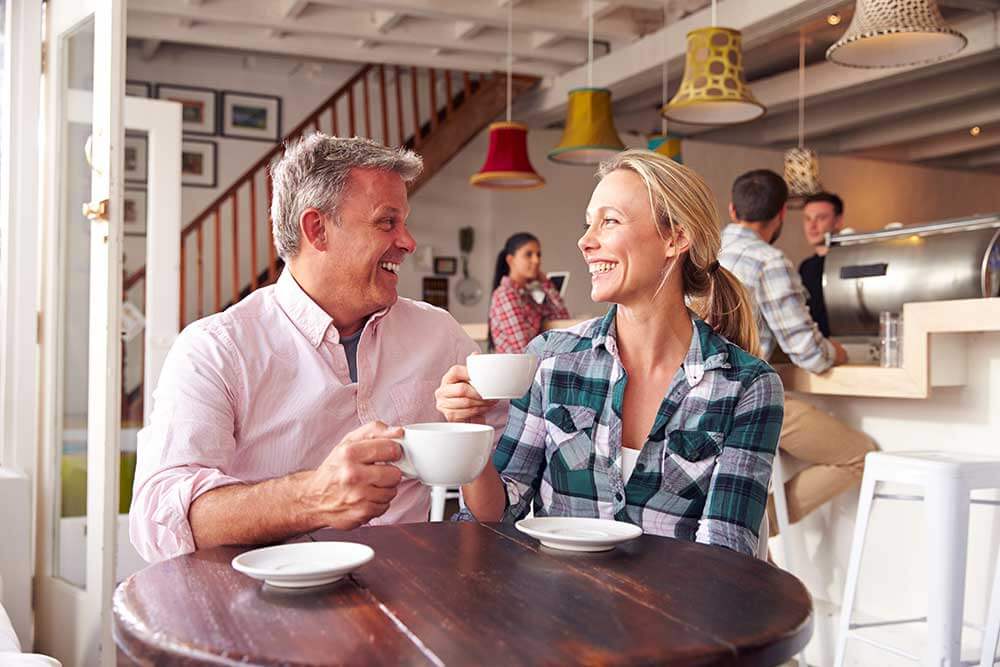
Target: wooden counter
point(477, 331)
point(938, 361)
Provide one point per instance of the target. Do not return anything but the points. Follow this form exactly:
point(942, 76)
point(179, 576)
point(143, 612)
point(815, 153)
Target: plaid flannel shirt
point(703, 472)
point(779, 299)
point(515, 318)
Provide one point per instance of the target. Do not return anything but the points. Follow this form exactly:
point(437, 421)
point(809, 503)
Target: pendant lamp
point(714, 90)
point(507, 166)
point(895, 33)
point(801, 163)
point(590, 135)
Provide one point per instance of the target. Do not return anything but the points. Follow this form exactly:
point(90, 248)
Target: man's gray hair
point(314, 173)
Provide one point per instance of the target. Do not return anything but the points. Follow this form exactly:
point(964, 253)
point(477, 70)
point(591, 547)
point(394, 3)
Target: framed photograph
point(445, 266)
point(198, 107)
point(199, 167)
point(435, 292)
point(134, 212)
point(138, 88)
point(251, 116)
point(135, 158)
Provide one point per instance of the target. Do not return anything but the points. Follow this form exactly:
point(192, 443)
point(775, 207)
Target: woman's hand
point(458, 401)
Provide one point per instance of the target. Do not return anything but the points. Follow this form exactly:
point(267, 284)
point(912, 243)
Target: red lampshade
point(507, 166)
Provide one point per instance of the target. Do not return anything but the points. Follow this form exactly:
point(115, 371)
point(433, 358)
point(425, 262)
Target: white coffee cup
point(501, 375)
point(445, 454)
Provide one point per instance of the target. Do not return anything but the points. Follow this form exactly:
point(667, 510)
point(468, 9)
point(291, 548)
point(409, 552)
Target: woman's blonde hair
point(681, 200)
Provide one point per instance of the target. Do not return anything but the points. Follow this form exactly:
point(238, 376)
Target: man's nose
point(406, 242)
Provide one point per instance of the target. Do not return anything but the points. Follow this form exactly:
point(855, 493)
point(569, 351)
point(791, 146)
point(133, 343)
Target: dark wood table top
point(467, 593)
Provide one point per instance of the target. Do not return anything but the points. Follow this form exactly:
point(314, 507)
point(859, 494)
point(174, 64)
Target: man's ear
point(838, 224)
point(732, 212)
point(312, 223)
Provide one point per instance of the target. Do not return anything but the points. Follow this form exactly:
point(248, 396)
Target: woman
point(523, 297)
point(655, 414)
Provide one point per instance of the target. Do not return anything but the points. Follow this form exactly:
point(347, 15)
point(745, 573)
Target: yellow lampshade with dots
point(590, 135)
point(801, 174)
point(714, 90)
point(895, 33)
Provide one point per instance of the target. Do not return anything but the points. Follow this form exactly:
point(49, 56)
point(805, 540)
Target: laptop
point(559, 279)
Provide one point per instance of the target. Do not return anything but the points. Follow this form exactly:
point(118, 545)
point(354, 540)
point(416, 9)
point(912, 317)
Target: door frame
point(74, 625)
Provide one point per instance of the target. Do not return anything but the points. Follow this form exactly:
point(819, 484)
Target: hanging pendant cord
point(666, 83)
point(510, 52)
point(802, 88)
point(590, 44)
point(714, 21)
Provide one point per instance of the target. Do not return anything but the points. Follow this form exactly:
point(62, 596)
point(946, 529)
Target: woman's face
point(525, 262)
point(621, 245)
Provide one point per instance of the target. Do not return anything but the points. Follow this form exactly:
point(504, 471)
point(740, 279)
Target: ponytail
point(724, 304)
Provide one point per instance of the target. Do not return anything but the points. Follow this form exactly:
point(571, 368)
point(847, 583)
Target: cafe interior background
point(231, 78)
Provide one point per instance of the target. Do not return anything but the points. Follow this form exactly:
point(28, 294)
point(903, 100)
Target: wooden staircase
point(227, 251)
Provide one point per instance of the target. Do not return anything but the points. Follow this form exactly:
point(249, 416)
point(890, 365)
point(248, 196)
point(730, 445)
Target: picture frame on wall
point(136, 150)
point(199, 166)
point(138, 89)
point(445, 266)
point(251, 116)
point(199, 107)
point(134, 212)
point(435, 291)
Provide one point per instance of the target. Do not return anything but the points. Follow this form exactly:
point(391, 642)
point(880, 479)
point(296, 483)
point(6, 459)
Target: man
point(835, 451)
point(822, 214)
point(269, 419)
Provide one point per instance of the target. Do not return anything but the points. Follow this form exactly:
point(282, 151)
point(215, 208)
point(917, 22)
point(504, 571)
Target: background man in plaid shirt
point(835, 450)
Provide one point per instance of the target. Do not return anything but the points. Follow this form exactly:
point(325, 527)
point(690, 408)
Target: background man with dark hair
point(836, 451)
point(822, 214)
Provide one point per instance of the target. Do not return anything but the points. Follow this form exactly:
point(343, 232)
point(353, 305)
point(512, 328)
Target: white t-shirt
point(629, 457)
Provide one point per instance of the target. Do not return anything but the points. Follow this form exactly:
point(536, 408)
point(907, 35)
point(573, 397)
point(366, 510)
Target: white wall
point(874, 192)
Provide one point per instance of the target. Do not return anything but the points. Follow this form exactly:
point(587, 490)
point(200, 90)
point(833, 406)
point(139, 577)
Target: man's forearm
point(262, 513)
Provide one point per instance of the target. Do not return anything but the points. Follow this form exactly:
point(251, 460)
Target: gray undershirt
point(350, 344)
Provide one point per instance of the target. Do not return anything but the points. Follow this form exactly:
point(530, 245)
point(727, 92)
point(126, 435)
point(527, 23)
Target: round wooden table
point(467, 593)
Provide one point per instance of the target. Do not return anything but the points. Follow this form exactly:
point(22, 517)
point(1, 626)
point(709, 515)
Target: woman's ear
point(677, 244)
point(510, 258)
point(313, 226)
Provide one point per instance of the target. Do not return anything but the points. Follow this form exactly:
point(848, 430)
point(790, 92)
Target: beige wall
point(875, 193)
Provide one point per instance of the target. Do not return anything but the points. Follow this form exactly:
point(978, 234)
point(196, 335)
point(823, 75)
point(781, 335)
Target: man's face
point(369, 240)
point(819, 219)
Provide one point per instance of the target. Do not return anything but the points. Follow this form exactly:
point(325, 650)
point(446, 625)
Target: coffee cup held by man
point(270, 419)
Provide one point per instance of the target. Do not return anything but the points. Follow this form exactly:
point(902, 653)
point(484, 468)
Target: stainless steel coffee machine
point(865, 274)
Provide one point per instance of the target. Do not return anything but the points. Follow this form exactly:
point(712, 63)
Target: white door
point(81, 207)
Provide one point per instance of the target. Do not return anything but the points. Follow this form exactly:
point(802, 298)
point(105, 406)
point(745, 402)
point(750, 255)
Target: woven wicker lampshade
point(801, 174)
point(714, 90)
point(590, 135)
point(895, 33)
point(666, 144)
point(507, 166)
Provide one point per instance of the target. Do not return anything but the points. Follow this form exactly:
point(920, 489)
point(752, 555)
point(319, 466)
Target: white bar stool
point(439, 496)
point(947, 479)
point(783, 470)
point(992, 630)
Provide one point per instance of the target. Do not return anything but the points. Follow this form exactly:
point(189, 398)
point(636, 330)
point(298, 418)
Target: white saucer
point(303, 564)
point(578, 534)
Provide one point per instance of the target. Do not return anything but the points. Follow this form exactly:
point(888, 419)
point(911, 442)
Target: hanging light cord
point(666, 83)
point(590, 44)
point(714, 21)
point(802, 88)
point(510, 52)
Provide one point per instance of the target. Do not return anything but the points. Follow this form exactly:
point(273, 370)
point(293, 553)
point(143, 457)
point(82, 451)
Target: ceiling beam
point(937, 148)
point(289, 9)
point(636, 67)
point(144, 26)
point(467, 29)
point(385, 21)
point(359, 25)
point(149, 48)
point(972, 5)
point(914, 127)
point(614, 30)
point(988, 158)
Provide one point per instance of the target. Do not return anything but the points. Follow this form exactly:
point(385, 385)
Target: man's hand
point(352, 486)
point(458, 401)
point(841, 356)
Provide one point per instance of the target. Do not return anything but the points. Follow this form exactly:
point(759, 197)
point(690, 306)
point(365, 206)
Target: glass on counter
point(890, 328)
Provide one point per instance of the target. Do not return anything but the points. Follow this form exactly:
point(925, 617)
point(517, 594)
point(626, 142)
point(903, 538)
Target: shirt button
point(618, 496)
point(640, 467)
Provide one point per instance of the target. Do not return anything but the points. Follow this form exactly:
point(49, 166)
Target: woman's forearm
point(485, 496)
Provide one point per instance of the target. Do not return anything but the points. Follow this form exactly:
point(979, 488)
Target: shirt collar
point(305, 314)
point(707, 352)
point(741, 232)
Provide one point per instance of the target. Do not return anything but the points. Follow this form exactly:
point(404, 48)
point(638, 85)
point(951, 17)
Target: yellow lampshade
point(714, 90)
point(668, 144)
point(801, 174)
point(895, 33)
point(590, 135)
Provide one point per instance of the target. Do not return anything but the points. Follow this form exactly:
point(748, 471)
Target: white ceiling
point(913, 114)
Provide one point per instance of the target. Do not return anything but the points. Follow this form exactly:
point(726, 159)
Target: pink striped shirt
point(262, 390)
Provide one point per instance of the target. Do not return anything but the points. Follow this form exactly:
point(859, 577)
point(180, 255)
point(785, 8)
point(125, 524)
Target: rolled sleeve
point(188, 444)
point(737, 494)
point(784, 309)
